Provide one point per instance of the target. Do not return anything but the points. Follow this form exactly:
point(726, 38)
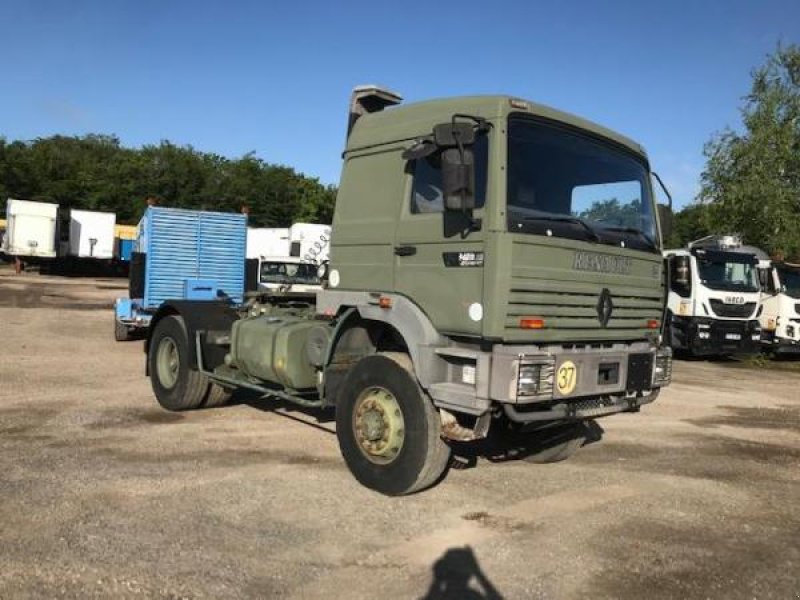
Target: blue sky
point(274, 78)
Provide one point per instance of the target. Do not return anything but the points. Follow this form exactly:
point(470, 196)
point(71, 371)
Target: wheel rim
point(378, 425)
point(167, 362)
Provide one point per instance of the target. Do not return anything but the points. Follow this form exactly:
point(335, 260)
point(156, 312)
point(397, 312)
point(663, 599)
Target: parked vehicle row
point(728, 298)
point(43, 233)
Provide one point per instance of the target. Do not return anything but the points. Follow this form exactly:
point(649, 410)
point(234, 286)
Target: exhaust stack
point(367, 99)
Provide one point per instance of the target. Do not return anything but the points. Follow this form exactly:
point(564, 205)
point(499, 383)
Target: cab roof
point(409, 121)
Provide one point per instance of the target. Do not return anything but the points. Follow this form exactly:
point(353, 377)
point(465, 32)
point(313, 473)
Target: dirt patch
point(135, 418)
point(758, 417)
point(39, 296)
point(689, 560)
point(717, 459)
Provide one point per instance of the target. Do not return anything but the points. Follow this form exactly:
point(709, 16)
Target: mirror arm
point(663, 187)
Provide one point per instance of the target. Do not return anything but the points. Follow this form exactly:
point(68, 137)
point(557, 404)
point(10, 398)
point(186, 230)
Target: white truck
point(88, 234)
point(310, 242)
point(267, 241)
point(288, 275)
point(780, 299)
point(714, 298)
point(30, 230)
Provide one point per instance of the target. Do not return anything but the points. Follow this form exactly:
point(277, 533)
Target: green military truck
point(495, 264)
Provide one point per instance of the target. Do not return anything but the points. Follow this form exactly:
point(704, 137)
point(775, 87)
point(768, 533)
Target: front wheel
point(388, 430)
point(176, 385)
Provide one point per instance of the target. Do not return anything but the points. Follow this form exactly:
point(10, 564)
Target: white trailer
point(714, 298)
point(310, 242)
point(91, 234)
point(30, 229)
point(780, 298)
point(267, 241)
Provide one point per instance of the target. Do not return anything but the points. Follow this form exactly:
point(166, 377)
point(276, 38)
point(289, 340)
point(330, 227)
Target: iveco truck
point(780, 298)
point(714, 298)
point(495, 265)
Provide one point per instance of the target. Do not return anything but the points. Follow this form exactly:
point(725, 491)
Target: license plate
point(733, 336)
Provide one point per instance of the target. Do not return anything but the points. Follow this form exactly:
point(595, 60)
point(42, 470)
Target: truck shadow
point(319, 418)
point(504, 445)
point(458, 576)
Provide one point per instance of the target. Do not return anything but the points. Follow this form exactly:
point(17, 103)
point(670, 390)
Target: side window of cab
point(426, 191)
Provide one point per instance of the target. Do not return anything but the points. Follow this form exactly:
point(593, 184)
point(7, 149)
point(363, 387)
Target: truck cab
point(714, 297)
point(495, 264)
point(780, 298)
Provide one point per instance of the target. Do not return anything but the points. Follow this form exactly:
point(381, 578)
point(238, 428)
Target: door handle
point(405, 250)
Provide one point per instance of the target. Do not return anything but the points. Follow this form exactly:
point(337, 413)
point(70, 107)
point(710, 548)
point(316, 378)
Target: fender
point(402, 314)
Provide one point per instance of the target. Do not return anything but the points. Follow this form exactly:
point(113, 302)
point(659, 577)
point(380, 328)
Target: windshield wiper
point(638, 232)
point(592, 233)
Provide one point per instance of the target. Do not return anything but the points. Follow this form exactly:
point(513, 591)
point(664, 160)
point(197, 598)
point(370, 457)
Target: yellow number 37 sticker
point(566, 377)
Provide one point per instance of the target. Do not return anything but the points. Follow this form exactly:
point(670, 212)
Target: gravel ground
point(103, 494)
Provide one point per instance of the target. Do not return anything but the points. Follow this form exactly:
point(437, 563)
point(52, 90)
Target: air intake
point(367, 99)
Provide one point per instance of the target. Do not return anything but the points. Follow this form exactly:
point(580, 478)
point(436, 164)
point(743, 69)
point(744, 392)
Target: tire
point(557, 443)
point(411, 455)
point(121, 332)
point(176, 386)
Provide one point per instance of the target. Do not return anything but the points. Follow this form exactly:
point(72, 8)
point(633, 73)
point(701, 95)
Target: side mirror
point(682, 270)
point(458, 179)
point(665, 219)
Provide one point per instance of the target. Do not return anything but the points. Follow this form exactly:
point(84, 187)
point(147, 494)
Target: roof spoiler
point(367, 99)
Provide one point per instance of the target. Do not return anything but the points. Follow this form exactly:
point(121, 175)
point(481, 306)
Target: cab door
point(442, 274)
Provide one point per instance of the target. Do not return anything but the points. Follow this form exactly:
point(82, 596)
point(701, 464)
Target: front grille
point(732, 310)
point(573, 305)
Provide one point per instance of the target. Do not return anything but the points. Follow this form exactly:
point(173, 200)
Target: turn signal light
point(528, 323)
point(653, 324)
point(385, 302)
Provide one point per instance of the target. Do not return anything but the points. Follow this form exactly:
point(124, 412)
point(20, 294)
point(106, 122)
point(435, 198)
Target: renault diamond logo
point(604, 307)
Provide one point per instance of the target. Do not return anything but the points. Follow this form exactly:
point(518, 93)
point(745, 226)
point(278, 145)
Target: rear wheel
point(388, 430)
point(176, 385)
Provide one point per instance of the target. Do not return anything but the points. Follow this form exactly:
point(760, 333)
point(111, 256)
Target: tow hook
point(452, 430)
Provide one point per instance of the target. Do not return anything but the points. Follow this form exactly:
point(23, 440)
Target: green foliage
point(688, 225)
point(751, 183)
point(96, 172)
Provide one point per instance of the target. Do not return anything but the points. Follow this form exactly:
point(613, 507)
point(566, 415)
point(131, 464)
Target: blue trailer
point(182, 255)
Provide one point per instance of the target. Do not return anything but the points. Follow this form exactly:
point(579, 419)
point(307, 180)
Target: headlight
point(535, 380)
point(662, 369)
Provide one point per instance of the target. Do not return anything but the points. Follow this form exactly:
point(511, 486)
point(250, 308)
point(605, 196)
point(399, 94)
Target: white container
point(30, 229)
point(91, 234)
point(310, 242)
point(265, 241)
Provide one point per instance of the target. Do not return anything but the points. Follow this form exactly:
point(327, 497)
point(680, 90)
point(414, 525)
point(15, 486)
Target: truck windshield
point(790, 280)
point(568, 184)
point(728, 275)
point(280, 272)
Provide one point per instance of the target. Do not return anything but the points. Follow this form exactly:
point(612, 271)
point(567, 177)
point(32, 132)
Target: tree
point(96, 172)
point(688, 224)
point(751, 182)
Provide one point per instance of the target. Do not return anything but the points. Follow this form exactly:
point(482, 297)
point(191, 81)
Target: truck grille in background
point(571, 306)
point(732, 310)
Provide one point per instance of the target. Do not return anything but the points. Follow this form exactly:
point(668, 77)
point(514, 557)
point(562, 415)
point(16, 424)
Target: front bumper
point(704, 336)
point(534, 375)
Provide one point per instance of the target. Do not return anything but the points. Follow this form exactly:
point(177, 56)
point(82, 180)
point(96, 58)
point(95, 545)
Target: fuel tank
point(273, 349)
